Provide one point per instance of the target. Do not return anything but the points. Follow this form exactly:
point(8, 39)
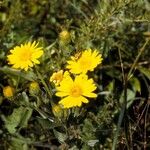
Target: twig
point(136, 60)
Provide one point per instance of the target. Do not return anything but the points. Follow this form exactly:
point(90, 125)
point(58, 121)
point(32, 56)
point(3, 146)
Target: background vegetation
point(119, 118)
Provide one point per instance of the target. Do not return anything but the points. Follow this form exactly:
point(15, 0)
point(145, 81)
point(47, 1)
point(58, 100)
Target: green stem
point(44, 83)
point(120, 117)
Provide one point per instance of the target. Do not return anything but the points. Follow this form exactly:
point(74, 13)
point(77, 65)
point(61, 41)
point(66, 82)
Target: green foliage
point(120, 31)
point(19, 118)
point(145, 71)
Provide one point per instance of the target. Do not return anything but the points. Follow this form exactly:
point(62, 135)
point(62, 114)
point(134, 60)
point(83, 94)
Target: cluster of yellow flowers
point(74, 91)
point(73, 86)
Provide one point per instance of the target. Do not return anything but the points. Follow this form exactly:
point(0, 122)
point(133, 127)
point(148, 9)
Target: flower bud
point(8, 91)
point(64, 37)
point(57, 110)
point(34, 88)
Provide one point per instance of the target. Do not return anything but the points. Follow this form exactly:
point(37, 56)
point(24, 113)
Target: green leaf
point(145, 71)
point(110, 86)
point(16, 145)
point(60, 136)
point(46, 124)
point(130, 97)
point(23, 100)
point(25, 117)
point(18, 142)
point(26, 75)
point(135, 83)
point(19, 118)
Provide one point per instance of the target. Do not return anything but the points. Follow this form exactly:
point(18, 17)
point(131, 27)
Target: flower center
point(76, 91)
point(84, 63)
point(25, 55)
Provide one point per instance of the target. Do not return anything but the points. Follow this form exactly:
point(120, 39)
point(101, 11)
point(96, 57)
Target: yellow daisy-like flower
point(25, 56)
point(74, 92)
point(57, 77)
point(87, 62)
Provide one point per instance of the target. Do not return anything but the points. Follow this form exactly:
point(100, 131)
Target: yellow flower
point(25, 56)
point(74, 92)
point(86, 62)
point(8, 91)
point(57, 77)
point(34, 88)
